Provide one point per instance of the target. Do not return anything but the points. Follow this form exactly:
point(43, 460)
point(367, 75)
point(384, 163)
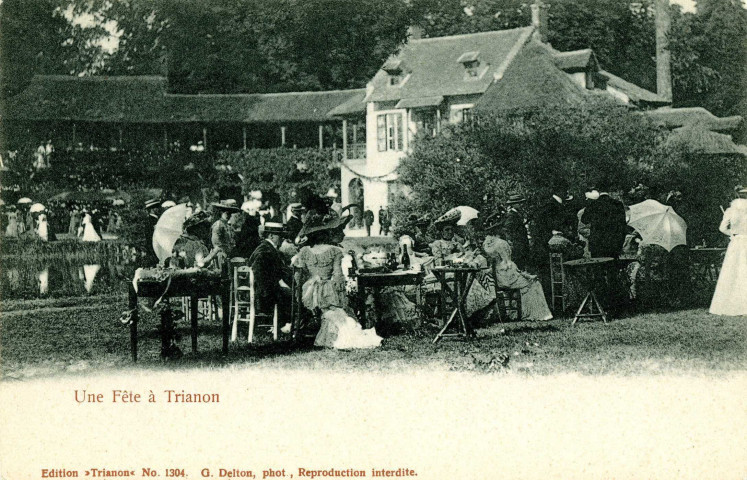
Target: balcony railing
point(356, 151)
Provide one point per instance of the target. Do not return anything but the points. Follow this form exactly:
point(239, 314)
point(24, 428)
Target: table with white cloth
point(162, 283)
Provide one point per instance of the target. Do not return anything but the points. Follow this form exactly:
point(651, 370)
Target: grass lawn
point(84, 335)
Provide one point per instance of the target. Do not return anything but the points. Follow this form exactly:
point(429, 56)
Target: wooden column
point(282, 135)
point(438, 120)
point(345, 139)
point(243, 130)
point(204, 137)
point(321, 136)
point(120, 137)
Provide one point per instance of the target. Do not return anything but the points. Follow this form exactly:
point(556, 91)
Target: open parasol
point(37, 207)
point(462, 214)
point(658, 224)
point(25, 200)
point(168, 229)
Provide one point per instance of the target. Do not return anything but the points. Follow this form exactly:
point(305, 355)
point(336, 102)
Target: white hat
point(331, 193)
point(251, 206)
point(255, 194)
point(168, 204)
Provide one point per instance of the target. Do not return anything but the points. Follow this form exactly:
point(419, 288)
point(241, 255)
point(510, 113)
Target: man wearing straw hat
point(272, 276)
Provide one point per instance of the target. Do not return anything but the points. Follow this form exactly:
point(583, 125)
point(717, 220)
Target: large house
point(433, 81)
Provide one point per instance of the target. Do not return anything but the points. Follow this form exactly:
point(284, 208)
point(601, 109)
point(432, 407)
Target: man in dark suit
point(272, 276)
point(515, 231)
point(294, 224)
point(606, 219)
point(153, 206)
point(368, 220)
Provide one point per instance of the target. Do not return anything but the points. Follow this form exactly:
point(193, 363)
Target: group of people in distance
point(308, 240)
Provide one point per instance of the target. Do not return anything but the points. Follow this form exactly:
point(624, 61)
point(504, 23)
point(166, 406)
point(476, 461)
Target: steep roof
point(531, 81)
point(430, 66)
point(103, 99)
point(634, 92)
point(678, 117)
point(257, 108)
point(144, 99)
point(355, 105)
point(576, 61)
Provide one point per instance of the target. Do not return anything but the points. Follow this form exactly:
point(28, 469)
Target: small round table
point(455, 282)
point(592, 277)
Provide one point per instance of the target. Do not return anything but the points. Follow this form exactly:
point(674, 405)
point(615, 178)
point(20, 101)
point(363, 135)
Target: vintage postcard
point(432, 239)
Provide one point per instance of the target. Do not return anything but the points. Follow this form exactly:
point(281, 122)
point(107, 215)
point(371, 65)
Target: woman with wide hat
point(508, 275)
point(191, 246)
point(446, 245)
point(324, 291)
point(221, 233)
point(729, 297)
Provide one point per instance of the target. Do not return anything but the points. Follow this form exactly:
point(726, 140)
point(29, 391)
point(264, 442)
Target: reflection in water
point(44, 281)
point(61, 276)
point(90, 271)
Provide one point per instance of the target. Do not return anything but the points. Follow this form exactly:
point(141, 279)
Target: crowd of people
point(86, 221)
point(306, 240)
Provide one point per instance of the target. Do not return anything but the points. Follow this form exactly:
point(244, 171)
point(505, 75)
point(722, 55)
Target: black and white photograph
point(444, 239)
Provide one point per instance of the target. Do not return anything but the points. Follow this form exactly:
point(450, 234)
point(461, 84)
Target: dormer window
point(471, 63)
point(394, 68)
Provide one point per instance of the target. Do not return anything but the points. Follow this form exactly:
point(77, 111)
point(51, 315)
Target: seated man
point(272, 276)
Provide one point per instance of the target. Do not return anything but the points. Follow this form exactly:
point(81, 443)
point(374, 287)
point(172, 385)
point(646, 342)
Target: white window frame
point(459, 107)
point(394, 134)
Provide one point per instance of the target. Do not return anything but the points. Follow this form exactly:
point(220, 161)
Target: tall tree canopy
point(226, 46)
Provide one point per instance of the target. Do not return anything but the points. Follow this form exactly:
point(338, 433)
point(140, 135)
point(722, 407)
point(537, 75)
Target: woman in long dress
point(325, 290)
point(730, 297)
point(12, 229)
point(89, 233)
point(43, 228)
point(533, 303)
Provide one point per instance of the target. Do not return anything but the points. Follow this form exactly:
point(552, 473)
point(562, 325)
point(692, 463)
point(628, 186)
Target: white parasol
point(168, 229)
point(467, 214)
point(37, 207)
point(25, 200)
point(658, 224)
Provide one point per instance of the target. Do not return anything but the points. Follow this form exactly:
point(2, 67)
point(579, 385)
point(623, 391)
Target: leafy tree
point(536, 153)
point(37, 38)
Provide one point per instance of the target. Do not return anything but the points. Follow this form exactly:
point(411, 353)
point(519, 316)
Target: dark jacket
point(248, 237)
point(368, 217)
point(515, 232)
point(150, 260)
point(606, 219)
point(269, 268)
point(292, 227)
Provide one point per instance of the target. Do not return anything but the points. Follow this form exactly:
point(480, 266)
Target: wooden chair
point(507, 299)
point(557, 282)
point(244, 306)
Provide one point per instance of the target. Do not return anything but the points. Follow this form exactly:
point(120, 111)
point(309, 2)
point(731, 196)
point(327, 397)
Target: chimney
point(414, 32)
point(539, 20)
point(663, 55)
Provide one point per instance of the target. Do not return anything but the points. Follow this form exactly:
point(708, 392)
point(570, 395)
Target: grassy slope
point(41, 340)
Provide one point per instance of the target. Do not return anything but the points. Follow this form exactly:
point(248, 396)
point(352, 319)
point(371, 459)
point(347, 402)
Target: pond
point(72, 270)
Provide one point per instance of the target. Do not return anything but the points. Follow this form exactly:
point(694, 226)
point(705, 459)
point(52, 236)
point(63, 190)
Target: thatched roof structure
point(699, 139)
point(680, 117)
point(531, 81)
point(144, 99)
